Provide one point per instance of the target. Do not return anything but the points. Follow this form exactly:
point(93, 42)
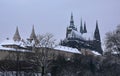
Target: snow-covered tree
point(43, 53)
point(112, 41)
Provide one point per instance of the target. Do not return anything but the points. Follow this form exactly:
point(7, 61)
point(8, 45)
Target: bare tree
point(43, 53)
point(112, 41)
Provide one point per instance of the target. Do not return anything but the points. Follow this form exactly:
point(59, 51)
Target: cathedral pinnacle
point(33, 35)
point(96, 33)
point(81, 28)
point(85, 29)
point(16, 36)
point(71, 20)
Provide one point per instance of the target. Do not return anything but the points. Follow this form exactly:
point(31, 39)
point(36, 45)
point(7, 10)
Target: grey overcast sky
point(53, 16)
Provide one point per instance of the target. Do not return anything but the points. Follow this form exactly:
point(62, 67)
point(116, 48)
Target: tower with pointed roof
point(71, 20)
point(16, 36)
point(33, 35)
point(71, 26)
point(85, 29)
point(97, 39)
point(96, 33)
point(72, 23)
point(81, 28)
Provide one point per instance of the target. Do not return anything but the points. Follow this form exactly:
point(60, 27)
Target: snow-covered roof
point(10, 43)
point(13, 49)
point(96, 53)
point(4, 48)
point(87, 36)
point(75, 34)
point(67, 49)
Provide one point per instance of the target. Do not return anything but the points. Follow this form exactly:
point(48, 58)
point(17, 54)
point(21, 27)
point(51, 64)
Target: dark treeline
point(81, 65)
point(78, 65)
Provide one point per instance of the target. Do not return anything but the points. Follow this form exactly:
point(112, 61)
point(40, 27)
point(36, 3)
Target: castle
point(76, 39)
point(15, 53)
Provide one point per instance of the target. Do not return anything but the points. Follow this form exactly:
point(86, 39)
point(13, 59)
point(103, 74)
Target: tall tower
point(96, 33)
point(16, 36)
point(85, 29)
point(33, 35)
point(97, 40)
point(71, 26)
point(71, 20)
point(81, 28)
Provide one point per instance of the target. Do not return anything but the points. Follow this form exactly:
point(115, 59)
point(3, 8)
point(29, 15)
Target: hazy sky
point(54, 15)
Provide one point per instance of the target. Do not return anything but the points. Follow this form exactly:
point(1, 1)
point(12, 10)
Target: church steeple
point(71, 20)
point(72, 26)
point(33, 35)
point(85, 29)
point(81, 28)
point(96, 33)
point(97, 40)
point(16, 36)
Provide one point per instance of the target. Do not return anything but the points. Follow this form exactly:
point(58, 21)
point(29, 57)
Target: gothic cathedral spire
point(85, 29)
point(97, 42)
point(33, 35)
point(16, 36)
point(71, 20)
point(96, 33)
point(81, 28)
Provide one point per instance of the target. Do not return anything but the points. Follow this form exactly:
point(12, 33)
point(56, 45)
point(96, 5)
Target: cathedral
point(76, 38)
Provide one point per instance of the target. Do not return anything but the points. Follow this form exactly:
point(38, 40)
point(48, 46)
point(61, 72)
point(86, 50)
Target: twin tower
point(17, 36)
